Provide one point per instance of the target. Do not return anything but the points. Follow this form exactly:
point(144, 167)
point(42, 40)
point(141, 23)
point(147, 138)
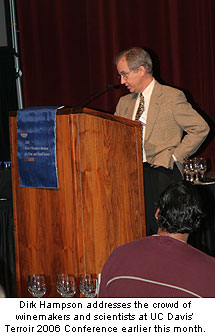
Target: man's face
point(132, 80)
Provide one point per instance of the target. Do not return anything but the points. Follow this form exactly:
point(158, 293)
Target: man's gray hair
point(135, 57)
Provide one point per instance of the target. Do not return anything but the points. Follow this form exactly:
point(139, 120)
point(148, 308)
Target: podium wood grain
point(99, 204)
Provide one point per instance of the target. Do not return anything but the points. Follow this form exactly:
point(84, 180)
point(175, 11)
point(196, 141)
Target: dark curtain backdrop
point(67, 49)
point(8, 99)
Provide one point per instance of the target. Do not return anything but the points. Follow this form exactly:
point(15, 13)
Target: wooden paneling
point(98, 206)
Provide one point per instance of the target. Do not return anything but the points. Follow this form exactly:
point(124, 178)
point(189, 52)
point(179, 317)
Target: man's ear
point(142, 70)
point(157, 213)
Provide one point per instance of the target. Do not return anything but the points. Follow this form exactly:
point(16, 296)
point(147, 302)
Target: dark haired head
point(180, 208)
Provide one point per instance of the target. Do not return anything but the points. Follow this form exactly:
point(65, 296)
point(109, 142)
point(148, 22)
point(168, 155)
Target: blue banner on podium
point(36, 149)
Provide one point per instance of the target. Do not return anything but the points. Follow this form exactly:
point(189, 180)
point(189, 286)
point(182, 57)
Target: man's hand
point(154, 166)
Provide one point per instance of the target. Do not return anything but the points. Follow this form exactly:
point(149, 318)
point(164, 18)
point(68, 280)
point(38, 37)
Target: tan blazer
point(169, 116)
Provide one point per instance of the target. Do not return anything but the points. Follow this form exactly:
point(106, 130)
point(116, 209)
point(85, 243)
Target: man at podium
point(171, 129)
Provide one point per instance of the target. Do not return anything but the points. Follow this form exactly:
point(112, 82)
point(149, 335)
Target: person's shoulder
point(167, 89)
point(134, 245)
point(168, 94)
point(200, 260)
point(202, 256)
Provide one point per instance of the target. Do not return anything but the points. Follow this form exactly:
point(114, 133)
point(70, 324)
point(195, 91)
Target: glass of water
point(88, 285)
point(36, 285)
point(66, 285)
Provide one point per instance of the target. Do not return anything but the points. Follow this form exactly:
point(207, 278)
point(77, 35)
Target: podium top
point(96, 113)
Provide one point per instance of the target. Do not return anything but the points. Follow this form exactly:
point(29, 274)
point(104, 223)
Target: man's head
point(134, 65)
point(179, 208)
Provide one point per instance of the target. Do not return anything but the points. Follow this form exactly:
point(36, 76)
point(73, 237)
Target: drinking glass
point(202, 167)
point(191, 168)
point(66, 285)
point(88, 285)
point(186, 170)
point(196, 168)
point(36, 285)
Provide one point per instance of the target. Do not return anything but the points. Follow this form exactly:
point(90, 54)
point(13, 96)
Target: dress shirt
point(147, 95)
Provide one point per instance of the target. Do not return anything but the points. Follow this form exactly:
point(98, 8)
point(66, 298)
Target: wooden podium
point(99, 204)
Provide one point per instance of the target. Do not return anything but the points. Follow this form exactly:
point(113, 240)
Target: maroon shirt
point(158, 266)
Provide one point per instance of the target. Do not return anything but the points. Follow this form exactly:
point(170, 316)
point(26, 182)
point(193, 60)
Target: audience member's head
point(180, 209)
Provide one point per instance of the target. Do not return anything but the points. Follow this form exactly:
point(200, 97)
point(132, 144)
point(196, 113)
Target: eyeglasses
point(126, 74)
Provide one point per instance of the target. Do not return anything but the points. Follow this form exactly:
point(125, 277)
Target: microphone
point(95, 94)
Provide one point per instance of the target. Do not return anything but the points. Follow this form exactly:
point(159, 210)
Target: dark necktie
point(140, 109)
